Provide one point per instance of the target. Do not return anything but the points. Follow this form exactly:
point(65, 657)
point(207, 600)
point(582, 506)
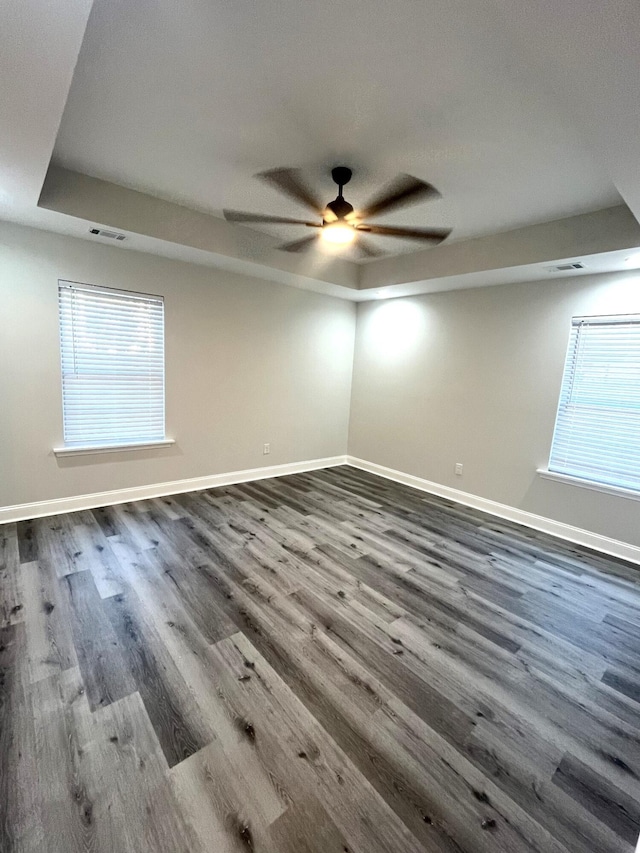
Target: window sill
point(589, 484)
point(90, 449)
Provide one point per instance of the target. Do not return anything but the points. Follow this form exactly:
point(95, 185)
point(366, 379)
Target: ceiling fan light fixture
point(338, 233)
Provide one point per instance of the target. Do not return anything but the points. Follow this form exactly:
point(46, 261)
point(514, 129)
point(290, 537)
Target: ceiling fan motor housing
point(340, 207)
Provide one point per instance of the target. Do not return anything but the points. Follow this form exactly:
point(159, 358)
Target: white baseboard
point(611, 547)
point(20, 512)
point(605, 545)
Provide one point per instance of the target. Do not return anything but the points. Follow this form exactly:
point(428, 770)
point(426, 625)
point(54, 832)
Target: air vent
point(110, 235)
point(576, 265)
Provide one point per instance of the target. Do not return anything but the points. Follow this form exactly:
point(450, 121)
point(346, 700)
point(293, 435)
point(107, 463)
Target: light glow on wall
point(395, 328)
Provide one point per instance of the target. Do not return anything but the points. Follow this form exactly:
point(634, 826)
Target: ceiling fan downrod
point(339, 207)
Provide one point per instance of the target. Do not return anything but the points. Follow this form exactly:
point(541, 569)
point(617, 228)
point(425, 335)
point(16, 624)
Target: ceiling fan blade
point(430, 235)
point(299, 245)
point(242, 216)
point(290, 182)
point(404, 190)
point(366, 249)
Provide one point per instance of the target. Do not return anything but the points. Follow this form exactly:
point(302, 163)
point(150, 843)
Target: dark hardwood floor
point(322, 663)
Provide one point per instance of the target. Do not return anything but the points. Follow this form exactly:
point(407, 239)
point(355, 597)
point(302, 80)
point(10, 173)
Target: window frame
point(576, 477)
point(117, 443)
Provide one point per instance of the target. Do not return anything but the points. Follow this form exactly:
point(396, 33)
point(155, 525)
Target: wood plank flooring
point(322, 663)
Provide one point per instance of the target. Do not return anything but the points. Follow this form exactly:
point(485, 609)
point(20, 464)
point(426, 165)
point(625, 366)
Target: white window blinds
point(112, 350)
point(597, 432)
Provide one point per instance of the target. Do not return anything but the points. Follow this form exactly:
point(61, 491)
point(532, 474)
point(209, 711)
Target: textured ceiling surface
point(187, 101)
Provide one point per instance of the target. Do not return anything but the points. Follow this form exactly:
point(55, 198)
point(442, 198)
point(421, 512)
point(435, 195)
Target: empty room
point(319, 426)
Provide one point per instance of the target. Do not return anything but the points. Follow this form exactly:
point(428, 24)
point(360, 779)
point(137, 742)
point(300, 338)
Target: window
point(112, 351)
point(597, 432)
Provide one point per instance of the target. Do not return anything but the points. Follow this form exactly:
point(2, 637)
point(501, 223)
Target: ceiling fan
point(341, 224)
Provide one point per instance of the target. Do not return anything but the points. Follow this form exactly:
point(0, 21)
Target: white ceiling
point(519, 112)
point(39, 44)
point(187, 101)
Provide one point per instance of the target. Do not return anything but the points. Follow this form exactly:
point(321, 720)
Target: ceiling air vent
point(575, 265)
point(110, 235)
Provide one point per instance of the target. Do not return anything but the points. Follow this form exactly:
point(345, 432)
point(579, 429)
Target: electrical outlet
point(458, 469)
point(266, 448)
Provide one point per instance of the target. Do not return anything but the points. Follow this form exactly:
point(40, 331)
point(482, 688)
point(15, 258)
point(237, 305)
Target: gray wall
point(466, 376)
point(247, 362)
point(473, 376)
